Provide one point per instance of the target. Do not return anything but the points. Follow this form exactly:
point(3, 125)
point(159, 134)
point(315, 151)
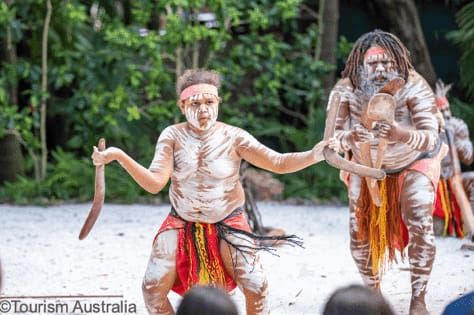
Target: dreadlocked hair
point(392, 45)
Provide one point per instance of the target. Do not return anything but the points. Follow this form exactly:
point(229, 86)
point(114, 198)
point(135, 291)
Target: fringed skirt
point(198, 259)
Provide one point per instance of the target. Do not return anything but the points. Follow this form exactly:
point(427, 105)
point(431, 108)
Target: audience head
point(357, 300)
point(206, 300)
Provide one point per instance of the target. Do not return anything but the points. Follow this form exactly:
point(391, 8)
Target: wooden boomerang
point(331, 156)
point(99, 196)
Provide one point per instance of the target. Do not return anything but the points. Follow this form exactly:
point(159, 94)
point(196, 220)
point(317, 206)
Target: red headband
point(376, 50)
point(201, 88)
point(442, 101)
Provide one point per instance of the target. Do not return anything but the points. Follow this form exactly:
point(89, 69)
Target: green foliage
point(464, 37)
point(72, 178)
point(344, 48)
point(69, 178)
point(276, 94)
point(112, 74)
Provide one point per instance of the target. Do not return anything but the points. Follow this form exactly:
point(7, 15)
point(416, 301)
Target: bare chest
point(358, 108)
point(207, 158)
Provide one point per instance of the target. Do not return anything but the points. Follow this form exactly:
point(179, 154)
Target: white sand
point(41, 255)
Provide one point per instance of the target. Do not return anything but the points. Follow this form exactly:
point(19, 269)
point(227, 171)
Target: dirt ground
point(42, 257)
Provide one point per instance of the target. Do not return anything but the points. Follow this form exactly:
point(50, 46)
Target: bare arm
point(152, 182)
point(153, 179)
point(422, 107)
point(251, 150)
point(462, 141)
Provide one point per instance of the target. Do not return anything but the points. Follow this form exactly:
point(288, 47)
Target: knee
point(155, 297)
point(253, 281)
point(150, 288)
point(159, 278)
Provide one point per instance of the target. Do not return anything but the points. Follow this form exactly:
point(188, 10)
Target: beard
point(371, 83)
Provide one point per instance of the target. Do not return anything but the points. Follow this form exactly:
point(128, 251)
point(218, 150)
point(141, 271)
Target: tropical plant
point(111, 68)
point(464, 37)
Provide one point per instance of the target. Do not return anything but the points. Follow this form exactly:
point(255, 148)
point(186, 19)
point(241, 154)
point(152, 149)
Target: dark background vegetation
point(74, 71)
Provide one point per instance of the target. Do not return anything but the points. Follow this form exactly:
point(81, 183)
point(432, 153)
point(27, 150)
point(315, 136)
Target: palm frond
point(464, 37)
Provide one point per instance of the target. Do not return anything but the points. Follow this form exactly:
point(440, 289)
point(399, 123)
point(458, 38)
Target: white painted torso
point(205, 183)
point(415, 104)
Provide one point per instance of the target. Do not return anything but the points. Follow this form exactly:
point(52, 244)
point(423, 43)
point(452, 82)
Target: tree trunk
point(11, 158)
point(9, 51)
point(330, 19)
point(44, 89)
point(400, 17)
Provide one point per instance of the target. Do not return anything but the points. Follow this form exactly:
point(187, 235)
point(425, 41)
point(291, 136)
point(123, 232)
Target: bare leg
point(160, 274)
point(248, 274)
point(360, 249)
point(417, 197)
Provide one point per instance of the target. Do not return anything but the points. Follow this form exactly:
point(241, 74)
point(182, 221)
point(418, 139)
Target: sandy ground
point(42, 256)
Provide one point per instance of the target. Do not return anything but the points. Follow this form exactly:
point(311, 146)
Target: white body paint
point(462, 143)
point(414, 106)
point(202, 157)
point(415, 111)
point(205, 183)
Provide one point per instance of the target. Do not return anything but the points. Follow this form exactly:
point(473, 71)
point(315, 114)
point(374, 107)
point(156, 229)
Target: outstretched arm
point(251, 150)
point(151, 181)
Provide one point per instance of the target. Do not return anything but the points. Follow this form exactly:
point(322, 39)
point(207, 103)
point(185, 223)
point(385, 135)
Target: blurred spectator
point(462, 306)
point(206, 300)
point(357, 300)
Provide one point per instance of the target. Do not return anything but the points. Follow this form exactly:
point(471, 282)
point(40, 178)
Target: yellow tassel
point(378, 231)
point(203, 259)
point(210, 271)
point(445, 204)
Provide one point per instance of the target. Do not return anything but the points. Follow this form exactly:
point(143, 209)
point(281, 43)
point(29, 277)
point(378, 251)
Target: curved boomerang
point(99, 196)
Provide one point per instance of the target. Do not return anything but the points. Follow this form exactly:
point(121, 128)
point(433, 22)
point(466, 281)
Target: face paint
point(443, 106)
point(201, 110)
point(377, 70)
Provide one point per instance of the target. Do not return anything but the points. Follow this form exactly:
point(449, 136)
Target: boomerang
point(99, 196)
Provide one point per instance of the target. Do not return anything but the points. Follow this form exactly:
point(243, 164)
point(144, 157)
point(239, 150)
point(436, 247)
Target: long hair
point(387, 41)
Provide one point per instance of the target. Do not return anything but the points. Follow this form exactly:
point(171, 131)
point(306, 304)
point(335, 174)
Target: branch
point(310, 11)
point(292, 113)
point(319, 42)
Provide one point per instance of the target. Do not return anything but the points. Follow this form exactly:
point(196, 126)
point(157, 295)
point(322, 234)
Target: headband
point(200, 88)
point(376, 50)
point(442, 101)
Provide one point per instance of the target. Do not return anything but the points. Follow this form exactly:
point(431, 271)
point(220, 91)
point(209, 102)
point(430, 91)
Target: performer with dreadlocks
point(411, 160)
point(206, 238)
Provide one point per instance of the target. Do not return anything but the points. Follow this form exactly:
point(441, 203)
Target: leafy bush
point(72, 178)
point(464, 37)
point(111, 74)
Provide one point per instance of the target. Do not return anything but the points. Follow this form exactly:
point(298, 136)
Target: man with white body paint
point(411, 161)
point(447, 213)
point(202, 157)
